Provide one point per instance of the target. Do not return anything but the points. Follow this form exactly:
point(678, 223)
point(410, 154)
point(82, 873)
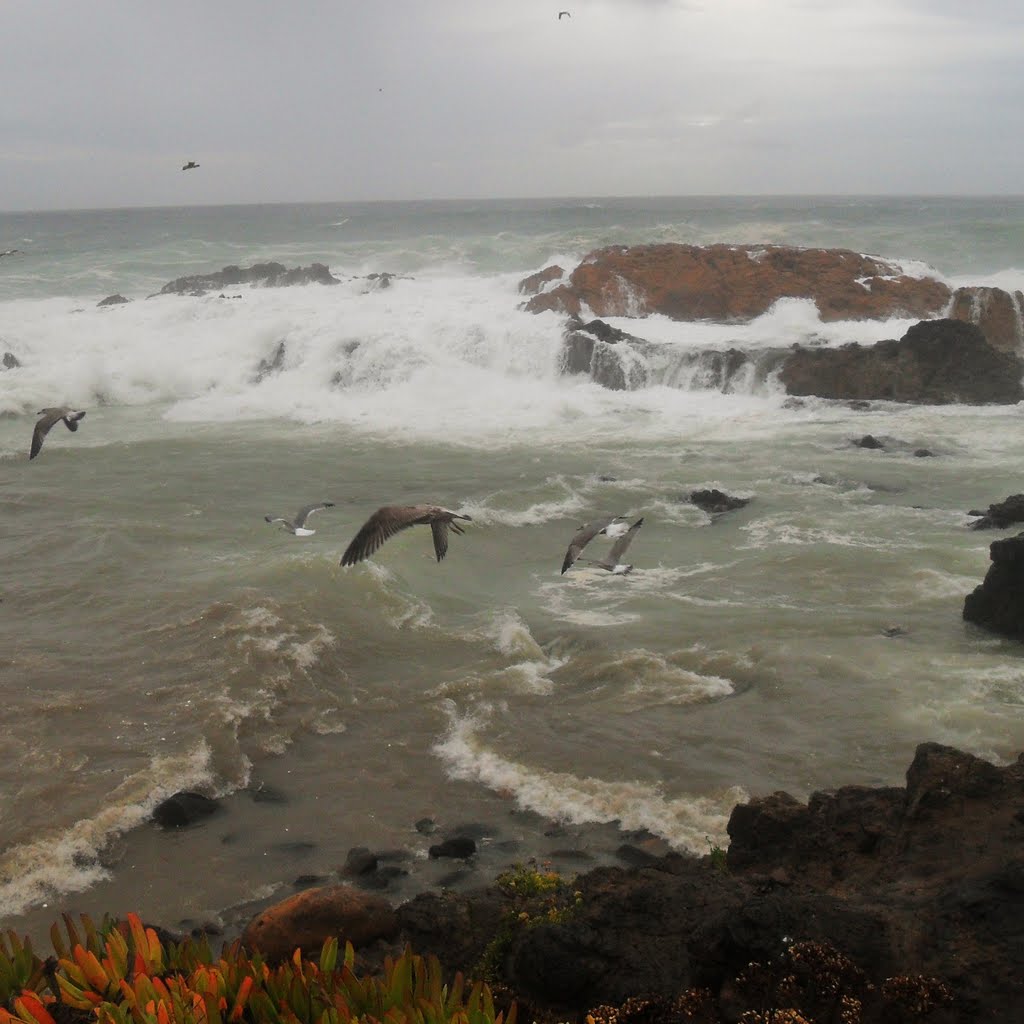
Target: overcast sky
point(294, 100)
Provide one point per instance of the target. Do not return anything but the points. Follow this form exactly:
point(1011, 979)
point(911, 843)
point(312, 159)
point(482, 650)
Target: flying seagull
point(298, 524)
point(190, 166)
point(391, 519)
point(610, 526)
point(618, 549)
point(47, 419)
point(563, 14)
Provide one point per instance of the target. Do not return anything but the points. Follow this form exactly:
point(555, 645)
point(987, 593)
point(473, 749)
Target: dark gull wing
point(47, 419)
point(307, 510)
point(384, 523)
point(583, 536)
point(439, 528)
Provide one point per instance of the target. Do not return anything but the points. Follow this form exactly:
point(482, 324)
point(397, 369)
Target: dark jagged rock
point(360, 861)
point(458, 847)
point(266, 275)
point(183, 809)
point(1001, 514)
point(10, 361)
point(113, 300)
point(273, 364)
point(936, 361)
point(715, 502)
point(868, 441)
point(535, 282)
point(888, 895)
point(998, 603)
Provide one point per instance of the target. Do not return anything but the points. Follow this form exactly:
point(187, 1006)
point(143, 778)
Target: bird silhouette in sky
point(190, 166)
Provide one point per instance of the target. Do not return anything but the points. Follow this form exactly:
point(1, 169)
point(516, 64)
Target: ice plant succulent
point(121, 973)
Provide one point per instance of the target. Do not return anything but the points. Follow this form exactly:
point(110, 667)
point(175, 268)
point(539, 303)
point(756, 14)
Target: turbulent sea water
point(157, 635)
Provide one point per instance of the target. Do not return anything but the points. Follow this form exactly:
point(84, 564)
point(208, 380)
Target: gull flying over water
point(190, 166)
point(47, 418)
point(298, 524)
point(609, 526)
point(392, 519)
point(563, 14)
point(612, 562)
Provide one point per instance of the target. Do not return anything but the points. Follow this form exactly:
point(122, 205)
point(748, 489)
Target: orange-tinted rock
point(562, 299)
point(306, 919)
point(740, 282)
point(995, 311)
point(533, 284)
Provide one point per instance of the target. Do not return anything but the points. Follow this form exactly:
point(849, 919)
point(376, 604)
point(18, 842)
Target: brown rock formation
point(996, 312)
point(306, 919)
point(936, 361)
point(739, 282)
point(535, 282)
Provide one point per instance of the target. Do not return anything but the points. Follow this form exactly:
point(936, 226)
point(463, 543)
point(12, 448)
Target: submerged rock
point(10, 361)
point(184, 808)
point(265, 275)
point(113, 300)
point(715, 502)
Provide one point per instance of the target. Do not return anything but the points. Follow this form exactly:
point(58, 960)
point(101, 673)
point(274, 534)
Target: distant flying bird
point(298, 524)
point(609, 526)
point(563, 14)
point(392, 519)
point(190, 166)
point(611, 562)
point(8, 252)
point(48, 418)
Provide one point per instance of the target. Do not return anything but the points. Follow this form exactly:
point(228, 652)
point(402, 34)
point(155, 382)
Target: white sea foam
point(68, 861)
point(438, 357)
point(685, 821)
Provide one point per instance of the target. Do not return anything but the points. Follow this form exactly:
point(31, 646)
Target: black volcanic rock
point(888, 896)
point(998, 603)
point(936, 361)
point(265, 275)
point(10, 361)
point(715, 502)
point(184, 808)
point(1001, 514)
point(113, 300)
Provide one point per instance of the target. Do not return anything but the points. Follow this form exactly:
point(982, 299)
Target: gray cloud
point(338, 100)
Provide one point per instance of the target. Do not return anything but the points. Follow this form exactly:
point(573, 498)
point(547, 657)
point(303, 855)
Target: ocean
point(156, 634)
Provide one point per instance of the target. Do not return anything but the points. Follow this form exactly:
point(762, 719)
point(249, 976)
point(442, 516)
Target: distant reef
point(266, 275)
point(966, 348)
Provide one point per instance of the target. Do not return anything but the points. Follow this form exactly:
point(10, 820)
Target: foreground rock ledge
point(926, 879)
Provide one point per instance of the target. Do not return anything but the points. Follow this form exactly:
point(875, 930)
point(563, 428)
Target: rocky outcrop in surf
point(997, 603)
point(264, 275)
point(735, 283)
point(621, 361)
point(937, 361)
point(996, 312)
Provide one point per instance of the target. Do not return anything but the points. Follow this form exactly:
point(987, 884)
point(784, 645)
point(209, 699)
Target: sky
point(309, 100)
